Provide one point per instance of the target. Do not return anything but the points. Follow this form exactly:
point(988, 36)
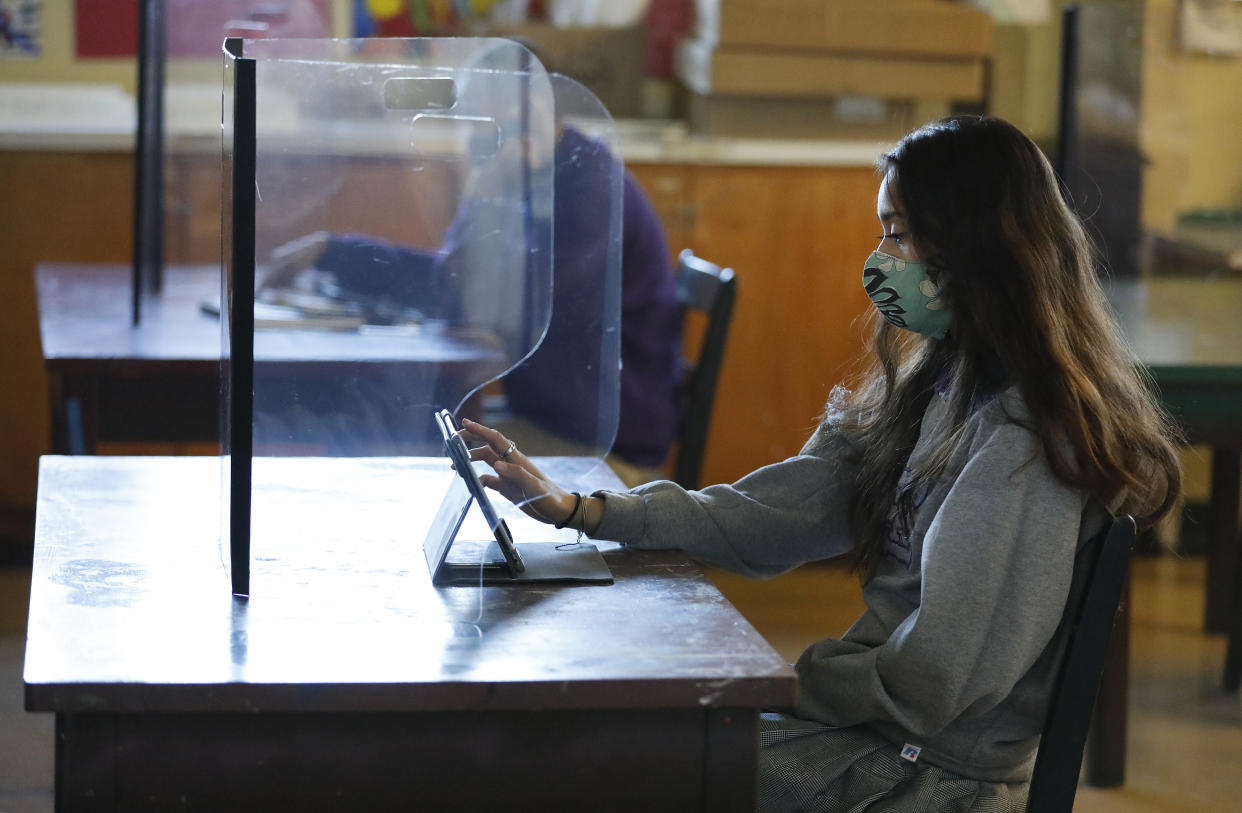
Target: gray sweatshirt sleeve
point(997, 559)
point(770, 521)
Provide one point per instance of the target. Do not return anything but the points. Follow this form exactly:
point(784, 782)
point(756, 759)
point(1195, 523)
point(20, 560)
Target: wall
point(1192, 122)
point(1024, 77)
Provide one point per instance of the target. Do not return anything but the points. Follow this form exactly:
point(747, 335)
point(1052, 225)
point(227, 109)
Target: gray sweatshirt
point(957, 650)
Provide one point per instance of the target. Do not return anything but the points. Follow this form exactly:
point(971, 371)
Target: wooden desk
point(1188, 333)
point(346, 681)
point(160, 381)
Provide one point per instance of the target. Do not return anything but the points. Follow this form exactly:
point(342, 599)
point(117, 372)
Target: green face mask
point(902, 291)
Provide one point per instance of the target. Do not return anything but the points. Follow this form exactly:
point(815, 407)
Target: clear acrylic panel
point(402, 235)
point(436, 222)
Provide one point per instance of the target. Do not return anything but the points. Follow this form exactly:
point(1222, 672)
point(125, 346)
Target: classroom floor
point(1185, 741)
point(25, 739)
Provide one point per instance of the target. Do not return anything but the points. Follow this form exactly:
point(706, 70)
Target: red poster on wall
point(106, 28)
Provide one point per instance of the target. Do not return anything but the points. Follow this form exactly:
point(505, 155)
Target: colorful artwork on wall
point(421, 18)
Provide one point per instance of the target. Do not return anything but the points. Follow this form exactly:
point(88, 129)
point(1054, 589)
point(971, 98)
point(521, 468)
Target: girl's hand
point(517, 478)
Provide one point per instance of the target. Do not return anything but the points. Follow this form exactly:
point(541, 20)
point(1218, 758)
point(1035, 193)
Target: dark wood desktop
point(347, 681)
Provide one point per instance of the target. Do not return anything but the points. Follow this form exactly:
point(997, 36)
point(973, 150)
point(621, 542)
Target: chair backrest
point(1059, 761)
point(706, 287)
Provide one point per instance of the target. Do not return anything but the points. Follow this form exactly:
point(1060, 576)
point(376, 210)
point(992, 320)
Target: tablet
point(550, 561)
point(460, 455)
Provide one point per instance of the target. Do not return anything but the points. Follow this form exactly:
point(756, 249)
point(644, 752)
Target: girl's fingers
point(497, 448)
point(485, 454)
point(499, 443)
point(484, 433)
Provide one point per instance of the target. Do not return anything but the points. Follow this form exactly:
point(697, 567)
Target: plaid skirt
point(810, 767)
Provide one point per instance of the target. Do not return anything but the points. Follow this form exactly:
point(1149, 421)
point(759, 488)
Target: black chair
point(705, 287)
point(1059, 761)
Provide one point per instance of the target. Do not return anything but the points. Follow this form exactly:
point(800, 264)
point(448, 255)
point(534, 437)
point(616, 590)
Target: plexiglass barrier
point(436, 225)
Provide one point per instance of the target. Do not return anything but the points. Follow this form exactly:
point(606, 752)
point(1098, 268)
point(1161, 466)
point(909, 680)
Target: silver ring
point(512, 448)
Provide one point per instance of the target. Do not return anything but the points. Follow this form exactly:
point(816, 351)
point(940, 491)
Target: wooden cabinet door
point(668, 186)
point(58, 206)
point(797, 238)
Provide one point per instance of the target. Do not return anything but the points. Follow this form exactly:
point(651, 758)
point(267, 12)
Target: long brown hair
point(983, 205)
